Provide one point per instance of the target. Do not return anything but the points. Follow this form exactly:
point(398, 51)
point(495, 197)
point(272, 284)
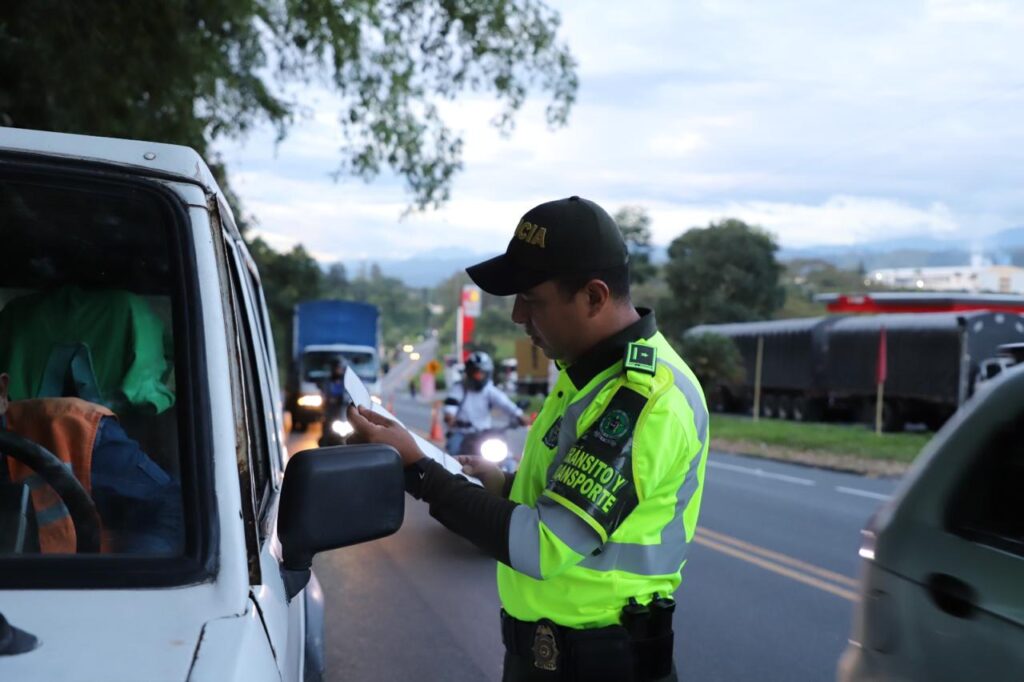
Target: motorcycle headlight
point(313, 400)
point(494, 450)
point(342, 428)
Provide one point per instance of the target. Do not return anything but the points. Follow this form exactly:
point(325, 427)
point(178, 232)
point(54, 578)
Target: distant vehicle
point(532, 368)
point(322, 332)
point(507, 377)
point(941, 596)
point(826, 366)
point(127, 252)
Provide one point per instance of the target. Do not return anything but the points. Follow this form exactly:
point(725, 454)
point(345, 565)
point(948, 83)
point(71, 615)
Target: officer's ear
point(598, 295)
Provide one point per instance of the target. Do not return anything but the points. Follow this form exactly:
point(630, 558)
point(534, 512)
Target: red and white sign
point(471, 301)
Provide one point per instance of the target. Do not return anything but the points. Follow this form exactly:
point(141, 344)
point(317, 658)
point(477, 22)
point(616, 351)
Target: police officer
point(592, 532)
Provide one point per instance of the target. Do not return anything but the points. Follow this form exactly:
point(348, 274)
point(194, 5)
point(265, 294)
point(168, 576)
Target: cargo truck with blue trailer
point(322, 332)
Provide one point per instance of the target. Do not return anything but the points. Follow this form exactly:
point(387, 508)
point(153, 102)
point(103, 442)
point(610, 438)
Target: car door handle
point(952, 595)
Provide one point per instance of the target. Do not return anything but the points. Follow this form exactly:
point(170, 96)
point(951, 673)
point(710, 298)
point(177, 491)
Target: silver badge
point(545, 650)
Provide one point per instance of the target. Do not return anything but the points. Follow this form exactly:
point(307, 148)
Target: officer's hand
point(371, 427)
point(488, 472)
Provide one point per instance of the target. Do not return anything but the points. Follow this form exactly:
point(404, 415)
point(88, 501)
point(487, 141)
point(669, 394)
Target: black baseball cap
point(553, 239)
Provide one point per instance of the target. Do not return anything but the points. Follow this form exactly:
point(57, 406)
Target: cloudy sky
point(827, 122)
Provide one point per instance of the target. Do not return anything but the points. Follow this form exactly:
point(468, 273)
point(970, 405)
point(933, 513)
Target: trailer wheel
point(784, 407)
point(807, 409)
point(769, 406)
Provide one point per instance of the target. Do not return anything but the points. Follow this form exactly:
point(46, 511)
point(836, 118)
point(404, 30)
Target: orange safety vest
point(66, 427)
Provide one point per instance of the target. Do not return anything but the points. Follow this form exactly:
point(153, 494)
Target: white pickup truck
point(149, 526)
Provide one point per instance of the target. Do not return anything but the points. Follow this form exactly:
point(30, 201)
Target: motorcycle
point(336, 427)
point(492, 445)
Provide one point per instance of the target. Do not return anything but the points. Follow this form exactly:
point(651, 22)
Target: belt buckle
point(545, 647)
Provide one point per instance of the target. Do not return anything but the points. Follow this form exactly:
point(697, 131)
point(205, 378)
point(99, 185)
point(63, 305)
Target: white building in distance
point(979, 277)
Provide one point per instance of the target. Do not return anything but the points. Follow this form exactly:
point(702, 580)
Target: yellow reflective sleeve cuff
point(571, 506)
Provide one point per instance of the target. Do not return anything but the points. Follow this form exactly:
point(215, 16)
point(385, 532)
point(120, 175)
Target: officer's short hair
point(617, 279)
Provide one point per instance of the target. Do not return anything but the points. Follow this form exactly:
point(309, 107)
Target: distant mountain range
point(1006, 247)
point(426, 269)
point(429, 268)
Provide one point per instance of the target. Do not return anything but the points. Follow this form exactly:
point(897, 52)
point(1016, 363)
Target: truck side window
point(988, 508)
point(256, 425)
point(266, 362)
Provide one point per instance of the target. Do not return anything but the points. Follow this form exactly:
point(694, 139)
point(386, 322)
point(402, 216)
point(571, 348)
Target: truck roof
point(154, 158)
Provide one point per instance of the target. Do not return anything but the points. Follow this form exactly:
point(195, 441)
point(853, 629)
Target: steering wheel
point(59, 477)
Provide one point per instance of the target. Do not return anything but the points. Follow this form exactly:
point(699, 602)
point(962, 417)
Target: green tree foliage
point(635, 225)
point(193, 71)
point(726, 272)
point(714, 359)
point(296, 276)
point(335, 284)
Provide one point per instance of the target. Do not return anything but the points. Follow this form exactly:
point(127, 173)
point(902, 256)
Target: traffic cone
point(435, 425)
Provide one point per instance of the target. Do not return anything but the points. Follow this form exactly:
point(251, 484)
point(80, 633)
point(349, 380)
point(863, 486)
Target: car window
point(92, 352)
point(988, 505)
point(254, 392)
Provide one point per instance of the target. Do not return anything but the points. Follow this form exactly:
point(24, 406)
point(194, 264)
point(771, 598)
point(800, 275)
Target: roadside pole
point(881, 371)
point(757, 378)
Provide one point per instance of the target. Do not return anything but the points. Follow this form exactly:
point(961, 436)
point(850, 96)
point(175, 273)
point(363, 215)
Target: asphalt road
point(767, 593)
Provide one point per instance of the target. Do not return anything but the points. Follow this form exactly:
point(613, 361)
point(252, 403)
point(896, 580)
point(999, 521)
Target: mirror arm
point(295, 579)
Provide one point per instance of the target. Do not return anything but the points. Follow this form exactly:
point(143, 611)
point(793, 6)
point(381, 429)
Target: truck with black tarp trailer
point(829, 366)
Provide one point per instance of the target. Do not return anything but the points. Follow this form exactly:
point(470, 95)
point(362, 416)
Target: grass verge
point(844, 447)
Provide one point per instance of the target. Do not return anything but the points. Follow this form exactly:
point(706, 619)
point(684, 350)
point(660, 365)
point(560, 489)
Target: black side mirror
point(334, 497)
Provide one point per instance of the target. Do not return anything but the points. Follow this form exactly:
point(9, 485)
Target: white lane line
point(761, 473)
point(861, 493)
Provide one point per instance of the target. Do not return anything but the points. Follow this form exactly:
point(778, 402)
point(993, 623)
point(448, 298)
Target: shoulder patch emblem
point(641, 358)
point(614, 424)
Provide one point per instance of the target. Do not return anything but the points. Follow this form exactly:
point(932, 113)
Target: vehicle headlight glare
point(494, 450)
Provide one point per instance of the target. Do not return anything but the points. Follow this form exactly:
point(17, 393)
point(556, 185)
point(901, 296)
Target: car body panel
point(906, 626)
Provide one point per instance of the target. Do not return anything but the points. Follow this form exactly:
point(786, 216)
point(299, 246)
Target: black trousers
point(519, 669)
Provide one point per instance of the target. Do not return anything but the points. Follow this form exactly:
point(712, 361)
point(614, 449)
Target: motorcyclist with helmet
point(467, 409)
point(336, 402)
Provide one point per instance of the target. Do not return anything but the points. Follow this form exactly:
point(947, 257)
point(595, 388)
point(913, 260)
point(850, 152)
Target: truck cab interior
point(87, 338)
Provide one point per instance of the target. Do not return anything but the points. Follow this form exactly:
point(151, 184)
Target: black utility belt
point(608, 654)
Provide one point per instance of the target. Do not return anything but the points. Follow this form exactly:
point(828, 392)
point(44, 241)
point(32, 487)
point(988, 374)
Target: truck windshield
point(317, 364)
point(90, 320)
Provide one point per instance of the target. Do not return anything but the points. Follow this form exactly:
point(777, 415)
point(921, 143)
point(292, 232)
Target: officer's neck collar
point(611, 350)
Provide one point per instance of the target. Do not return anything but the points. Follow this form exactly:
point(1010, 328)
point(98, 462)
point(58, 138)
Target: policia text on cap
point(592, 532)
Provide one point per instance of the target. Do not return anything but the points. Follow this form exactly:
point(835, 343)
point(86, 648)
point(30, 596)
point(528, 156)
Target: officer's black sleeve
point(462, 507)
point(506, 488)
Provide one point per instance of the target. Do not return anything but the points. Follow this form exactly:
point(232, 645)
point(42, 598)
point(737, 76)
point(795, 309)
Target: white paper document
point(361, 397)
